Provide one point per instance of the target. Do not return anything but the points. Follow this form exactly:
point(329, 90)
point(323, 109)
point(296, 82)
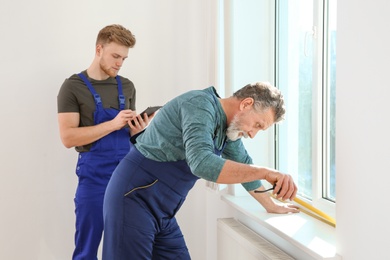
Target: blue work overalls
point(94, 169)
point(140, 204)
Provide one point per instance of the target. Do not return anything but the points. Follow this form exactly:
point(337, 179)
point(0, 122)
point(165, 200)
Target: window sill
point(301, 236)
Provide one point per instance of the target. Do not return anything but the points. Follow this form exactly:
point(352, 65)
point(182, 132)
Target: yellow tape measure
point(317, 213)
point(312, 211)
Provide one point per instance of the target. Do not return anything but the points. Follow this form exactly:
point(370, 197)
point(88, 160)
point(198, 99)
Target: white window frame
point(229, 79)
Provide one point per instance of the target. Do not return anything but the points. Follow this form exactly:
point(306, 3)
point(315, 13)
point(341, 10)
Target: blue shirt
point(189, 127)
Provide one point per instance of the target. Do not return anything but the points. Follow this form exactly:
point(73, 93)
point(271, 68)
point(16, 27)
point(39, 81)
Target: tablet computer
point(149, 111)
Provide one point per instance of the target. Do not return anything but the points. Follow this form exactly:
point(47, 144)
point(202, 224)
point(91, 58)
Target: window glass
point(295, 79)
point(306, 74)
point(330, 130)
point(292, 44)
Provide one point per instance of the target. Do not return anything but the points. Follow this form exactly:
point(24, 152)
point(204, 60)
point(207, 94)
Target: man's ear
point(246, 103)
point(99, 48)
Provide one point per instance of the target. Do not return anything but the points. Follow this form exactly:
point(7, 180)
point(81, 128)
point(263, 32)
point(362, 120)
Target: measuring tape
point(318, 214)
point(312, 211)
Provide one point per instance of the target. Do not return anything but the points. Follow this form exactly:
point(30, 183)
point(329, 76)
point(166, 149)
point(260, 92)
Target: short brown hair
point(265, 96)
point(116, 33)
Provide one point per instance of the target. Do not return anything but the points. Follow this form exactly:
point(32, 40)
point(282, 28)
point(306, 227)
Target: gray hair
point(265, 97)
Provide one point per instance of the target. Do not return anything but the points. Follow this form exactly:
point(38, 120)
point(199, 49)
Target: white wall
point(362, 130)
point(42, 43)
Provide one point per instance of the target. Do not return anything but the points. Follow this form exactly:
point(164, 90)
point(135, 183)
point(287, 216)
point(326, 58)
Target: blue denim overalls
point(94, 169)
point(139, 210)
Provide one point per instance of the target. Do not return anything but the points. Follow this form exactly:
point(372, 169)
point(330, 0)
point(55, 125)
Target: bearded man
point(195, 135)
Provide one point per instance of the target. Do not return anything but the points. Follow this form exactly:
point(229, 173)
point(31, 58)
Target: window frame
point(320, 115)
point(227, 75)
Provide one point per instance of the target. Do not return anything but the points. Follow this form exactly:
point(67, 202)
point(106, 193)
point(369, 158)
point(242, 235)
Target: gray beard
point(233, 132)
point(232, 135)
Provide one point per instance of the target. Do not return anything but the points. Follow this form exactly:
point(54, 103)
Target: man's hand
point(139, 122)
point(283, 208)
point(271, 206)
point(122, 118)
point(285, 188)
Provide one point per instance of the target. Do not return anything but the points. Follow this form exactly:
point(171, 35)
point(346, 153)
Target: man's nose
point(119, 63)
point(252, 133)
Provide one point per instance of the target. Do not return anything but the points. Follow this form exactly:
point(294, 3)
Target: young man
point(195, 135)
point(95, 108)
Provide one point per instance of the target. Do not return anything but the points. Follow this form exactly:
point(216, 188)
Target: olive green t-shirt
point(74, 96)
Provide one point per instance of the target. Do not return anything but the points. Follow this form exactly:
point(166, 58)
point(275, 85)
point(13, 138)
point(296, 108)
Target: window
point(305, 73)
point(292, 45)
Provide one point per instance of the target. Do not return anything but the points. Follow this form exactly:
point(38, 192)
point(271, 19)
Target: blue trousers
point(89, 226)
point(140, 204)
point(94, 171)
